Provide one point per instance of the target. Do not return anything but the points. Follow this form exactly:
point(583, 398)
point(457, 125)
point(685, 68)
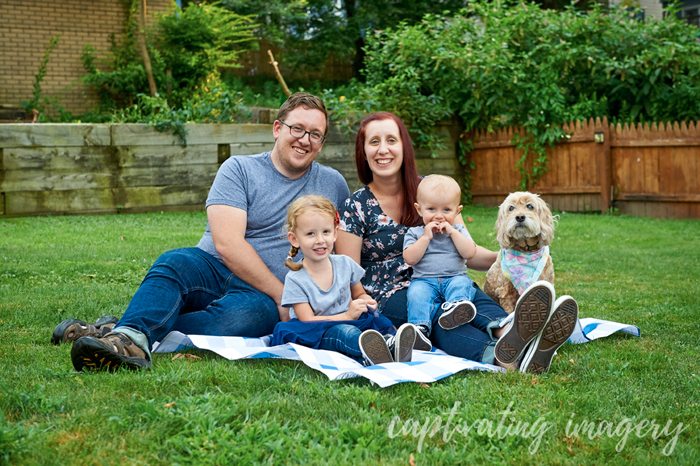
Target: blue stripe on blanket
point(426, 367)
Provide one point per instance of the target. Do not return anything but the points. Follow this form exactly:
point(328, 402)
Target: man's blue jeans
point(188, 290)
point(425, 295)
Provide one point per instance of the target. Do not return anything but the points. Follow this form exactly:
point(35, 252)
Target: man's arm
point(228, 225)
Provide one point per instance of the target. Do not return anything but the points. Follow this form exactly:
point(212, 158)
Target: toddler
point(330, 309)
point(438, 252)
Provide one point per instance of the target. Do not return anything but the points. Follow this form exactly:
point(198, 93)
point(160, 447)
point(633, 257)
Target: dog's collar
point(527, 248)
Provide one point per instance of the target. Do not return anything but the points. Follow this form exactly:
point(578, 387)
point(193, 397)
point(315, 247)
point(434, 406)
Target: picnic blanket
point(425, 367)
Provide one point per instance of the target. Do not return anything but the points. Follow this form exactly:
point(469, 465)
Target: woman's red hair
point(409, 172)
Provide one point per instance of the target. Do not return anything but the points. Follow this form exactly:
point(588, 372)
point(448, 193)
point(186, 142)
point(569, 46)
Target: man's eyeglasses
point(299, 132)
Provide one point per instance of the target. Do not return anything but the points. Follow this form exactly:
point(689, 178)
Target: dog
point(524, 230)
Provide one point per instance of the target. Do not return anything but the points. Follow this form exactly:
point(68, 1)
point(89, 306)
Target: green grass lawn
point(212, 411)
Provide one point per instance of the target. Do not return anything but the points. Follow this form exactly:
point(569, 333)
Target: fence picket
point(654, 167)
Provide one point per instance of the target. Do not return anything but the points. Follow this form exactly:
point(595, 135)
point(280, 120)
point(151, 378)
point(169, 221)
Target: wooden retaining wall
point(54, 169)
point(643, 170)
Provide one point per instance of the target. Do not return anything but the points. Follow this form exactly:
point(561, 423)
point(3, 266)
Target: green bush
point(187, 49)
point(198, 42)
point(216, 106)
point(498, 64)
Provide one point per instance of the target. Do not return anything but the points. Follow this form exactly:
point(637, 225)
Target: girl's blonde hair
point(308, 203)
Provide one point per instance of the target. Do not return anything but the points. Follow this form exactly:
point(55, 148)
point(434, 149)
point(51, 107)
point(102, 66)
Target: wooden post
point(279, 75)
point(2, 178)
point(144, 50)
point(604, 164)
point(169, 79)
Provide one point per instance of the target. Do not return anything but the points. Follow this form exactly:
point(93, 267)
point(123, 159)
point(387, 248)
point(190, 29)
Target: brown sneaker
point(71, 329)
point(532, 312)
point(110, 352)
point(374, 348)
point(539, 355)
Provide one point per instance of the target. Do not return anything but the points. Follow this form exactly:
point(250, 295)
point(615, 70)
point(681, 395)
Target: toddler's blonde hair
point(308, 203)
point(443, 184)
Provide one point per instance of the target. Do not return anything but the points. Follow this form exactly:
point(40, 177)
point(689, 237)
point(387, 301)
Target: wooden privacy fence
point(644, 170)
point(89, 169)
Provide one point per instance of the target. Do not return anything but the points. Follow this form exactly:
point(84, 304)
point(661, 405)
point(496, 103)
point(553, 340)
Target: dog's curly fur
point(525, 223)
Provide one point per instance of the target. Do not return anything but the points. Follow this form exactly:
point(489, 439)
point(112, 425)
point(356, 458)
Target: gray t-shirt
point(299, 287)
point(252, 183)
point(441, 259)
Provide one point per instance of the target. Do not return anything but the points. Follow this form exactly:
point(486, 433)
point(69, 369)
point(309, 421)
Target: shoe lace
point(390, 340)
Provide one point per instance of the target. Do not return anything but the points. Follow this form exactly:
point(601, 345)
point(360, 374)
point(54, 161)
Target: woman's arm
point(349, 245)
point(483, 259)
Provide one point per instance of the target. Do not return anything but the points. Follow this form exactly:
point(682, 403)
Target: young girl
point(330, 309)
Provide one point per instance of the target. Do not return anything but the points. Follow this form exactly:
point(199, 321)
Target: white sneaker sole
point(461, 314)
point(403, 343)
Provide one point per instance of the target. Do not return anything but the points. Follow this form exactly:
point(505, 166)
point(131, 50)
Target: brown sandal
point(70, 330)
point(110, 352)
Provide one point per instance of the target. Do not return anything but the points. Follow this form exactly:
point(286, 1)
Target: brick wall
point(652, 8)
point(25, 29)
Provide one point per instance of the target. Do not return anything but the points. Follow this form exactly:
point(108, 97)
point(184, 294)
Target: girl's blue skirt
point(310, 333)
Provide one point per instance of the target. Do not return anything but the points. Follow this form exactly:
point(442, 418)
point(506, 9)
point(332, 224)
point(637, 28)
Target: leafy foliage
point(187, 49)
point(217, 106)
point(198, 42)
point(505, 64)
point(36, 102)
point(310, 31)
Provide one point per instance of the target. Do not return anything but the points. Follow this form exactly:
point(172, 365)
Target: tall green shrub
point(187, 47)
point(503, 63)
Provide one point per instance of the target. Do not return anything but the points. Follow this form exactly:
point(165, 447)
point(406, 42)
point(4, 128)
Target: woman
point(374, 221)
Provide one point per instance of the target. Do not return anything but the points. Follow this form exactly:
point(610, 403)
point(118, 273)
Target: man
point(231, 283)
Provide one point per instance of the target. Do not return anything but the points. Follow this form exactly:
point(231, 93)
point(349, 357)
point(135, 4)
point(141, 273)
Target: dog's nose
point(520, 218)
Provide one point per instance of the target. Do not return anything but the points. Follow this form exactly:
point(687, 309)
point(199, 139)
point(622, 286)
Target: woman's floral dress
point(382, 244)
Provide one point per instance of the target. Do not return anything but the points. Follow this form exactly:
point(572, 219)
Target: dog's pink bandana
point(523, 268)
